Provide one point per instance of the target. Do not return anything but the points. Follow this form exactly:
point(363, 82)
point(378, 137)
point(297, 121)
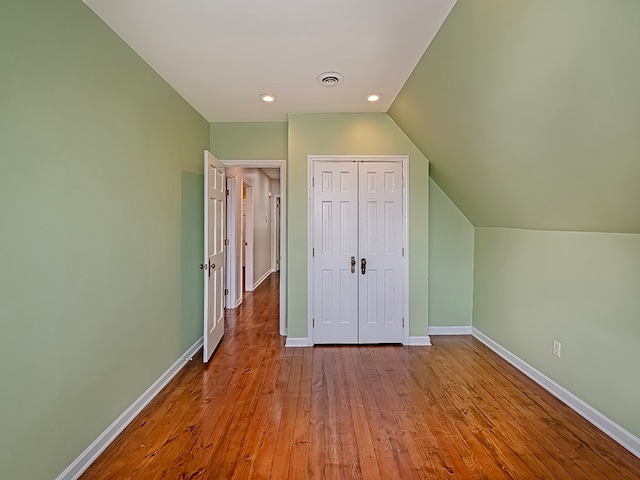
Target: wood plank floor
point(451, 411)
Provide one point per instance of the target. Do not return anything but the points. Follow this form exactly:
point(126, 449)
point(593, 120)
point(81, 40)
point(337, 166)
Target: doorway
point(234, 268)
point(358, 268)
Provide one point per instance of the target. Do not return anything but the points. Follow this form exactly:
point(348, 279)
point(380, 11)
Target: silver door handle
point(353, 264)
point(363, 265)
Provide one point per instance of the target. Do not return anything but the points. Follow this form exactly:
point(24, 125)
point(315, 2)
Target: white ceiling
point(272, 173)
point(220, 55)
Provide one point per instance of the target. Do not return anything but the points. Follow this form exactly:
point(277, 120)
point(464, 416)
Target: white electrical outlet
point(557, 346)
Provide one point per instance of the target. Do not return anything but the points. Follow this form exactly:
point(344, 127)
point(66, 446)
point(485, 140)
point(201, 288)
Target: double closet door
point(358, 275)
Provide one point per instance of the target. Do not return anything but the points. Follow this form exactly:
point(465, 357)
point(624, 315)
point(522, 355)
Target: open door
point(213, 266)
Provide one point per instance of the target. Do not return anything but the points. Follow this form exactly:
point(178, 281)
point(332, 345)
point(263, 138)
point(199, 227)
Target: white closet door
point(381, 286)
point(335, 243)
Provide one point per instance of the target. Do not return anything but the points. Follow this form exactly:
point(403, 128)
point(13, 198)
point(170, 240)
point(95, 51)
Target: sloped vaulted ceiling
point(530, 113)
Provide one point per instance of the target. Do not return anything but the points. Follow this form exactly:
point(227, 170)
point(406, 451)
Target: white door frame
point(232, 300)
point(405, 240)
point(274, 230)
point(248, 224)
point(282, 165)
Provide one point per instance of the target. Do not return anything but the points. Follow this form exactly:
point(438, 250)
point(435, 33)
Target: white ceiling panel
point(220, 55)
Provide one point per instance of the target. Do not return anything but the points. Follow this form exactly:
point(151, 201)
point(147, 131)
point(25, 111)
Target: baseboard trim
point(297, 342)
point(625, 438)
point(462, 330)
point(419, 341)
point(93, 451)
point(262, 279)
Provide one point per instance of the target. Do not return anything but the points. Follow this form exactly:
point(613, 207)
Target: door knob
point(363, 265)
point(353, 264)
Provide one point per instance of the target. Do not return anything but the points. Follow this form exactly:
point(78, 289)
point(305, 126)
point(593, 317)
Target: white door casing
point(214, 223)
point(358, 210)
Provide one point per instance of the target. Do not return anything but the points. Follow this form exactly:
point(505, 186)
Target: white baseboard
point(86, 458)
point(261, 279)
point(462, 330)
point(297, 342)
point(419, 341)
point(625, 438)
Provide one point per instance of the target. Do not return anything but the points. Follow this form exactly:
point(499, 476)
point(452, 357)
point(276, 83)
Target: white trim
point(625, 438)
point(404, 159)
point(282, 165)
point(419, 341)
point(232, 301)
point(298, 342)
point(248, 205)
point(93, 451)
point(461, 330)
point(262, 279)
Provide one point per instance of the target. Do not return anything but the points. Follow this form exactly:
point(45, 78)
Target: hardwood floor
point(451, 411)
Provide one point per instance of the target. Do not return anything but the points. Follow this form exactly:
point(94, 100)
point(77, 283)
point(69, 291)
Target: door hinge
point(313, 323)
point(313, 252)
point(226, 242)
point(313, 181)
point(227, 192)
point(226, 291)
point(403, 322)
point(403, 251)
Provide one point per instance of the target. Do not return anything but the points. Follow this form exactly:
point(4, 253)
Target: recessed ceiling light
point(267, 97)
point(374, 97)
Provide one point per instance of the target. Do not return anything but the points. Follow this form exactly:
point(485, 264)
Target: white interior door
point(231, 256)
point(335, 251)
point(381, 292)
point(277, 226)
point(214, 221)
point(358, 249)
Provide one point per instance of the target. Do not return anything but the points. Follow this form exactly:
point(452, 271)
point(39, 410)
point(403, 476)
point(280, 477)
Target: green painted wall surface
point(450, 262)
point(353, 134)
point(249, 140)
point(581, 289)
point(192, 251)
point(97, 231)
point(529, 113)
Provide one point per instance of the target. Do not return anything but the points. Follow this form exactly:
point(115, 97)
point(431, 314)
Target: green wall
point(100, 207)
point(249, 140)
point(529, 113)
point(581, 289)
point(450, 262)
point(353, 134)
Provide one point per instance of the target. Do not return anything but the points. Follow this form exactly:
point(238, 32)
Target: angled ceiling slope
point(529, 113)
point(221, 55)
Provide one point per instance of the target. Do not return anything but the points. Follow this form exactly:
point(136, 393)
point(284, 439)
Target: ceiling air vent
point(330, 79)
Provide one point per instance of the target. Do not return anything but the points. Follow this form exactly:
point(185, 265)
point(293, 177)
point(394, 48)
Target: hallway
point(258, 410)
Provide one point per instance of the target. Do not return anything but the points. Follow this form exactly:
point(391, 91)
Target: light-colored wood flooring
point(451, 411)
